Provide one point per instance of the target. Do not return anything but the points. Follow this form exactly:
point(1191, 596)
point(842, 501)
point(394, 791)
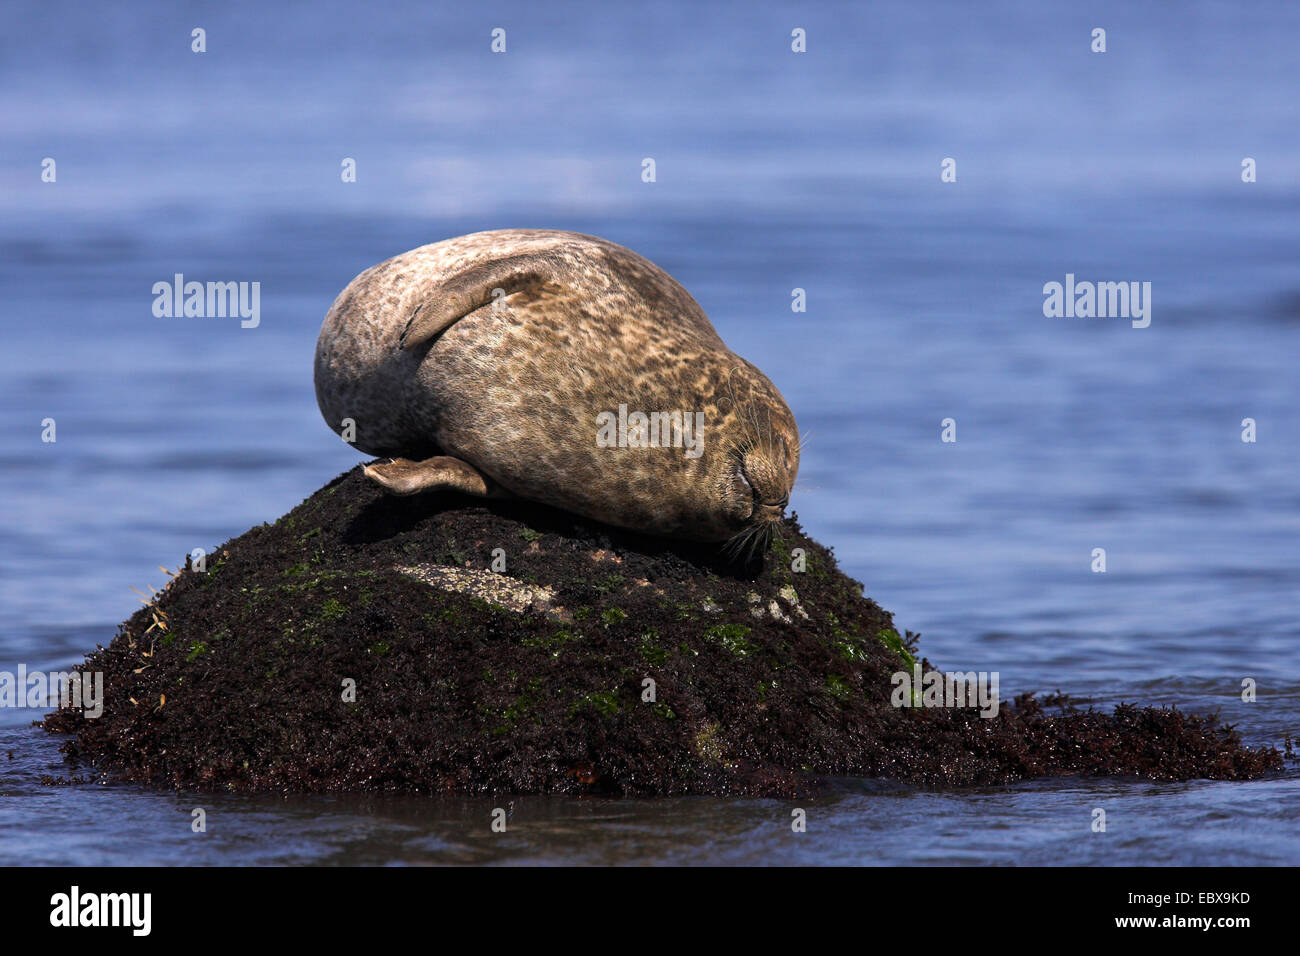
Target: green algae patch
point(732, 637)
point(364, 642)
point(889, 637)
point(331, 611)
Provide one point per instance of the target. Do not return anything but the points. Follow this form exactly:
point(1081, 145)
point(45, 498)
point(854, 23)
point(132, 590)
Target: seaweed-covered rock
point(433, 643)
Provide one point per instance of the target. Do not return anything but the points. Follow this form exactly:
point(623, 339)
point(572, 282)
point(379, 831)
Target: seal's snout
point(770, 511)
point(761, 484)
point(770, 479)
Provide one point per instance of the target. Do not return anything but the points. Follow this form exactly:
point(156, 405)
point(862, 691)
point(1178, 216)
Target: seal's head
point(756, 472)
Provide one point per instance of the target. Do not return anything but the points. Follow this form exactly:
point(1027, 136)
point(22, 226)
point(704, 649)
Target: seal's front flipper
point(453, 297)
point(443, 473)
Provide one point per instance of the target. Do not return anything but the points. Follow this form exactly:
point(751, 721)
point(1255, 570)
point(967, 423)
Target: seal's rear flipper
point(453, 297)
point(443, 473)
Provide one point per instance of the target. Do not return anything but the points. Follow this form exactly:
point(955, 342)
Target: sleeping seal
point(561, 368)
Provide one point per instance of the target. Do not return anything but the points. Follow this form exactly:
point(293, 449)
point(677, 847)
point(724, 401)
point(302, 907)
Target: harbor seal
point(561, 368)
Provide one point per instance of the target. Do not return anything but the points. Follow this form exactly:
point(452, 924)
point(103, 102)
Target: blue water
point(775, 170)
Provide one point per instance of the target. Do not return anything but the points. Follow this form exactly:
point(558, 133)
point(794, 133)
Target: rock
point(364, 642)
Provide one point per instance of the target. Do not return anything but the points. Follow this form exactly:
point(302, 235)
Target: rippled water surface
point(775, 171)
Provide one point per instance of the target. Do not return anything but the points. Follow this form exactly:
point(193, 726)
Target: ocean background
point(775, 170)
